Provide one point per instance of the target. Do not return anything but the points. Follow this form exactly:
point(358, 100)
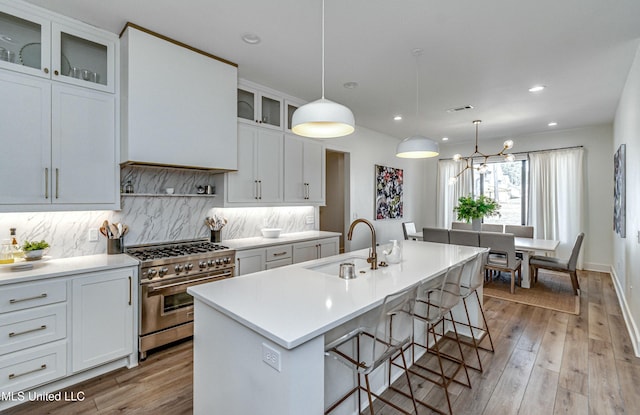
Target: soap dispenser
point(393, 255)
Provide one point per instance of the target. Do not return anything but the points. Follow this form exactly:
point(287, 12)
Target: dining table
point(526, 246)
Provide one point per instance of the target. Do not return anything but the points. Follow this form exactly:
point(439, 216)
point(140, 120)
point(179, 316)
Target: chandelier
point(482, 168)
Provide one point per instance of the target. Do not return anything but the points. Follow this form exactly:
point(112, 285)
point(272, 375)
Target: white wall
point(626, 252)
point(597, 141)
point(368, 148)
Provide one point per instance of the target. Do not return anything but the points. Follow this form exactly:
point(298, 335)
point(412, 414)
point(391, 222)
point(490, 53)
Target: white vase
point(476, 224)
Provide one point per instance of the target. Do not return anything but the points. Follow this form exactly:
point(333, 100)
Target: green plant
point(469, 208)
point(35, 245)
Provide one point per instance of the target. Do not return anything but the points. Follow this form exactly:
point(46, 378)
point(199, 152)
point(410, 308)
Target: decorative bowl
point(271, 232)
point(34, 255)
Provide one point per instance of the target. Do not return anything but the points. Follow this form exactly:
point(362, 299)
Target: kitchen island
point(259, 339)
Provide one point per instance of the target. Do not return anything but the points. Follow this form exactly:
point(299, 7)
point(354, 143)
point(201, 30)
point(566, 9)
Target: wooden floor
point(545, 363)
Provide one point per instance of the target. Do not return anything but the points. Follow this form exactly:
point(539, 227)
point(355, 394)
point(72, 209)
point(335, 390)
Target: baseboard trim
point(590, 266)
point(632, 327)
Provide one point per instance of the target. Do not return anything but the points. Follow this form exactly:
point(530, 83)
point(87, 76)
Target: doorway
point(334, 215)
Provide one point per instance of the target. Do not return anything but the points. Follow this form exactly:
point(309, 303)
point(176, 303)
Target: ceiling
point(480, 53)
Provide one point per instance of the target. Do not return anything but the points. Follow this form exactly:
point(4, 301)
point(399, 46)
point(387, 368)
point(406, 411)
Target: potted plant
point(472, 209)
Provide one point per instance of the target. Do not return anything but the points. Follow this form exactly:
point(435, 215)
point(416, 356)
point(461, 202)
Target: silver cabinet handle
point(57, 180)
point(255, 189)
point(280, 253)
point(260, 187)
point(19, 300)
point(46, 183)
point(13, 375)
point(130, 290)
point(13, 334)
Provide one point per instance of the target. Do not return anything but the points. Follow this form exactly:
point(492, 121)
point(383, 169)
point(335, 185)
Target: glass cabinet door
point(25, 42)
point(290, 108)
point(246, 104)
point(270, 111)
point(83, 59)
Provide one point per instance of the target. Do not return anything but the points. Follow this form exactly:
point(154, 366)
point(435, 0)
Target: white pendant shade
point(416, 147)
point(323, 119)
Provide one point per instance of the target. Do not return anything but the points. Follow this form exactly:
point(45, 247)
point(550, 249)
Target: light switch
point(93, 235)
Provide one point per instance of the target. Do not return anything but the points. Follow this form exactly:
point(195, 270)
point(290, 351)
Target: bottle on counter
point(128, 188)
point(6, 252)
point(15, 247)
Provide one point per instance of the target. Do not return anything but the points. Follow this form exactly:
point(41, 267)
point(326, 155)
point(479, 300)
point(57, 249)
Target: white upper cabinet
point(60, 133)
point(259, 176)
point(304, 170)
point(179, 104)
point(56, 48)
point(259, 107)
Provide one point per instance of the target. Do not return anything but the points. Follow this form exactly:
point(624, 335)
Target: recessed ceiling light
point(251, 38)
point(552, 124)
point(350, 85)
point(445, 138)
point(537, 88)
point(397, 118)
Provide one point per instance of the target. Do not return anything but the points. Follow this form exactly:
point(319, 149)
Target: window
point(507, 183)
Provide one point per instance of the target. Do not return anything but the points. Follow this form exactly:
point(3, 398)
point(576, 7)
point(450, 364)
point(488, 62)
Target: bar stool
point(432, 305)
point(380, 348)
point(472, 279)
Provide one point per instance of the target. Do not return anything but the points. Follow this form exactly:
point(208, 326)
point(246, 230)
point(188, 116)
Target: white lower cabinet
point(34, 366)
point(322, 248)
point(102, 315)
point(249, 261)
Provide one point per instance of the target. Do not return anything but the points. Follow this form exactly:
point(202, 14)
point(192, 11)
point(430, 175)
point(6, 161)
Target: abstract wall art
point(619, 192)
point(388, 196)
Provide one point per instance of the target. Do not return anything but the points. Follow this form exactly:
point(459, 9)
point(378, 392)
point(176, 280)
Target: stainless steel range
point(166, 271)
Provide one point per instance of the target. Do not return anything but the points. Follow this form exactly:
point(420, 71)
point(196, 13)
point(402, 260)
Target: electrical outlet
point(93, 235)
point(271, 357)
point(309, 220)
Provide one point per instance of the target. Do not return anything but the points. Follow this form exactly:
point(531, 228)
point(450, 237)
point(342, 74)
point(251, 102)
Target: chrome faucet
point(373, 256)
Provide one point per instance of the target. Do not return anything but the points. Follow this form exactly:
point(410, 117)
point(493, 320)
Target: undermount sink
point(333, 268)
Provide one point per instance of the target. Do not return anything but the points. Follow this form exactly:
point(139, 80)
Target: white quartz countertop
point(293, 304)
point(285, 238)
point(62, 267)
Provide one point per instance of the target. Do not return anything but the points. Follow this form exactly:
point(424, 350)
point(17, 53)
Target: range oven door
point(164, 304)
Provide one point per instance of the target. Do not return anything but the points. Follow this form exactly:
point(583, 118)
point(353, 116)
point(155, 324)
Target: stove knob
point(202, 264)
point(151, 272)
point(218, 261)
point(163, 271)
point(211, 263)
point(227, 260)
point(189, 267)
point(178, 268)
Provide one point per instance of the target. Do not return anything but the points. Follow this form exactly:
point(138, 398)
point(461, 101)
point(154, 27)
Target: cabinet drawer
point(27, 295)
point(32, 327)
point(277, 253)
point(279, 263)
point(32, 367)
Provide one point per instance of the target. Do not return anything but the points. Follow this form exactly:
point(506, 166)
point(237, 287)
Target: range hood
point(178, 104)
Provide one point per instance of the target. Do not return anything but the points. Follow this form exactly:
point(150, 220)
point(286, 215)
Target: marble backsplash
point(153, 216)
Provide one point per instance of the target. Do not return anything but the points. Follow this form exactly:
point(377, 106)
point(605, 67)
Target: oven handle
point(209, 277)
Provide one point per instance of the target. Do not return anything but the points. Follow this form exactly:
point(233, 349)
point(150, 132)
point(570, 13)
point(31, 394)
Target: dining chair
point(407, 228)
point(519, 230)
point(568, 266)
point(462, 237)
point(375, 346)
point(462, 225)
point(492, 227)
point(439, 235)
point(431, 307)
point(502, 244)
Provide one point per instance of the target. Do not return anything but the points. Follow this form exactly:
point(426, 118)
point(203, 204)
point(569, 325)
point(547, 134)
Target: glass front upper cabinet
point(257, 107)
point(36, 46)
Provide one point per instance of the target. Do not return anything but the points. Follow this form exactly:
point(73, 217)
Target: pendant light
point(417, 146)
point(323, 118)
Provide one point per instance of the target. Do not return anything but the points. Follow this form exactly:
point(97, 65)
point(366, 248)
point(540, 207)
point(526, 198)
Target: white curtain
point(447, 194)
point(556, 193)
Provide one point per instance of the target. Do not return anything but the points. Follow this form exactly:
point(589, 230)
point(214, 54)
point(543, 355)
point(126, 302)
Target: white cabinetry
point(304, 170)
point(60, 133)
point(102, 316)
point(249, 261)
point(259, 176)
point(179, 104)
point(256, 106)
point(322, 248)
